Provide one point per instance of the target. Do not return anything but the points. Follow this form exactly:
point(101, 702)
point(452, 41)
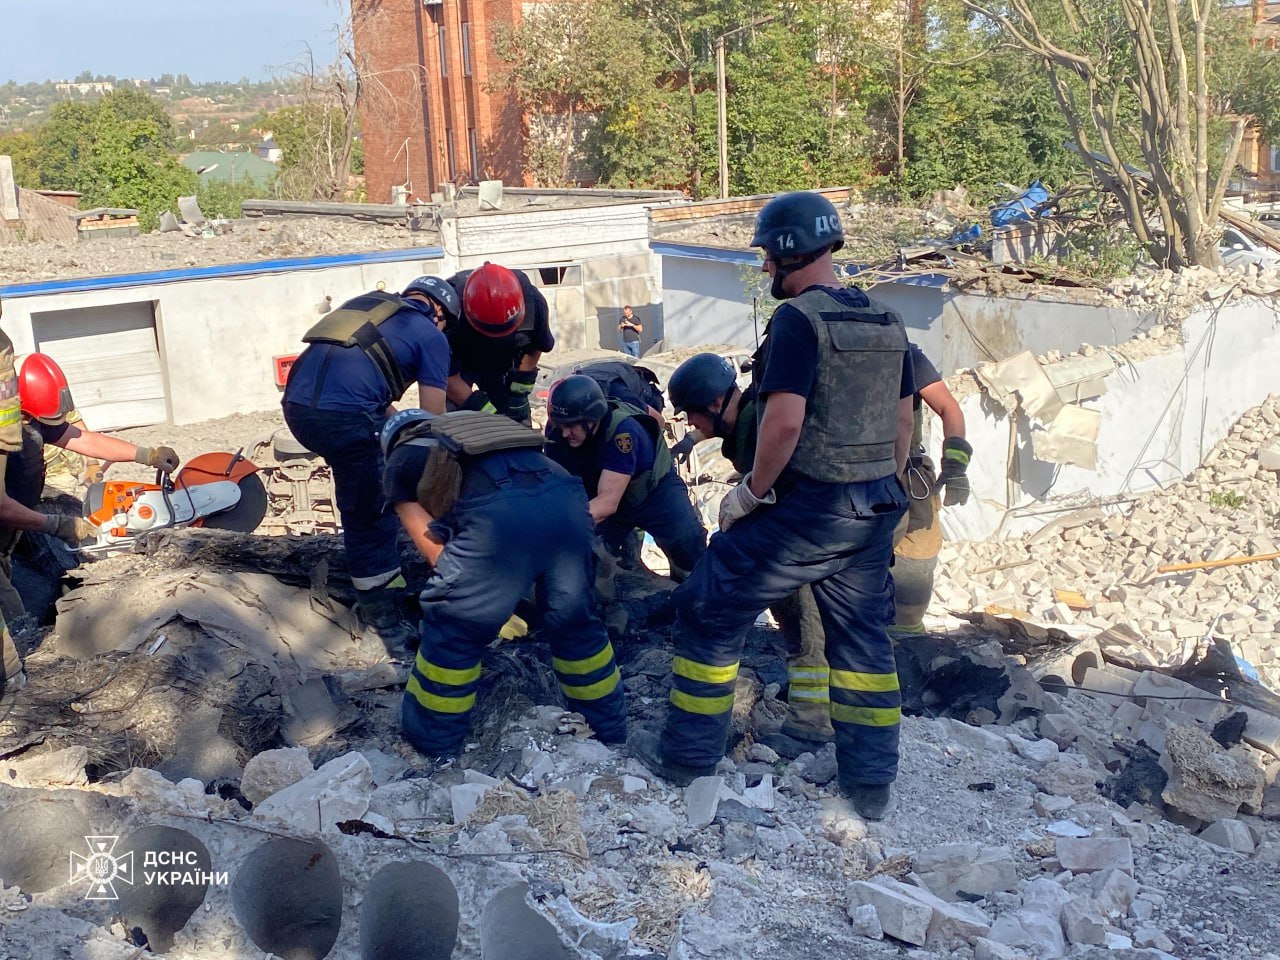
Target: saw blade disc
point(248, 512)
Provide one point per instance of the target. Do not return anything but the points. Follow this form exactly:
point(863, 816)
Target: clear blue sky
point(213, 40)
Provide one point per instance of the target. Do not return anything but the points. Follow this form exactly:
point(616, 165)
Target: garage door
point(112, 360)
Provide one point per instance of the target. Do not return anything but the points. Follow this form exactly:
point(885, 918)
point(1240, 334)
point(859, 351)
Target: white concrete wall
point(1160, 417)
point(218, 336)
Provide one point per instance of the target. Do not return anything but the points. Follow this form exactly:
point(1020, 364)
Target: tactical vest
point(851, 422)
point(646, 481)
point(355, 324)
point(618, 379)
point(453, 437)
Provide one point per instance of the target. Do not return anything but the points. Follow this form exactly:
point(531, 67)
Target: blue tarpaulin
point(1025, 206)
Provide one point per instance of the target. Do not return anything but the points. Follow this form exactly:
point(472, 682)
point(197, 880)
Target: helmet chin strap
point(718, 427)
point(780, 273)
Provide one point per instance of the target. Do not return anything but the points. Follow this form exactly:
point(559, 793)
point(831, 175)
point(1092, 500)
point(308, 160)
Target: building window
point(475, 153)
point(466, 49)
point(1275, 160)
point(444, 52)
point(448, 142)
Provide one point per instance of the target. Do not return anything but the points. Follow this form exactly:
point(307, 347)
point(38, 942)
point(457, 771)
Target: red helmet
point(43, 388)
point(493, 300)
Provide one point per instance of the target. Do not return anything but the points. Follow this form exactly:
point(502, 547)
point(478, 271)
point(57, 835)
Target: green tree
point(120, 167)
point(222, 199)
point(23, 149)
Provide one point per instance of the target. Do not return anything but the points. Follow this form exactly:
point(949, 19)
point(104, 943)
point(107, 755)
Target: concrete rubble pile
point(1181, 291)
point(1088, 570)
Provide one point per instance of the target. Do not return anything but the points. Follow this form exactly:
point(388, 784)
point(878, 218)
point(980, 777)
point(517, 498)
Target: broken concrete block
point(273, 770)
point(1059, 728)
point(701, 799)
point(954, 869)
point(1126, 720)
point(1048, 806)
point(60, 768)
point(1093, 854)
point(1083, 921)
point(1269, 458)
point(866, 922)
point(985, 949)
point(338, 791)
point(1107, 681)
point(1262, 731)
point(1230, 835)
point(1152, 938)
point(950, 922)
point(976, 738)
point(465, 797)
point(1199, 704)
point(762, 795)
point(901, 917)
point(1066, 778)
point(1029, 933)
point(1114, 890)
point(1205, 781)
point(1037, 751)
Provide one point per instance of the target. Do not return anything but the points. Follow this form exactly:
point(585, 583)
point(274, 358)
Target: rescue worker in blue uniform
point(619, 453)
point(501, 331)
point(704, 388)
point(359, 361)
point(818, 507)
point(515, 521)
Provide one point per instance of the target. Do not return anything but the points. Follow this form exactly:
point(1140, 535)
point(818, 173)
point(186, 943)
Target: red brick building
point(428, 112)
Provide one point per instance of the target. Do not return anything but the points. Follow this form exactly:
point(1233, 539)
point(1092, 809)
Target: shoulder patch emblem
point(624, 442)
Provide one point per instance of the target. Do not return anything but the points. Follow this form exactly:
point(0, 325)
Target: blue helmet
point(400, 421)
point(577, 399)
point(700, 381)
point(439, 290)
point(798, 224)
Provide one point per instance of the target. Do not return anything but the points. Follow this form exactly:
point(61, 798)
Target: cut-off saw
point(220, 491)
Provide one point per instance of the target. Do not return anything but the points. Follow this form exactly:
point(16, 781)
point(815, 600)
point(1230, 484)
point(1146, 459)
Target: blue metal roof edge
point(693, 251)
point(220, 272)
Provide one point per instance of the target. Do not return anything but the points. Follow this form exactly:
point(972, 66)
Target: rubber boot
point(870, 800)
point(379, 612)
point(912, 591)
point(647, 748)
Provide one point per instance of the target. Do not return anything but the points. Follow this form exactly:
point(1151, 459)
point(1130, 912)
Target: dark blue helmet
point(797, 225)
point(577, 399)
point(699, 382)
point(439, 290)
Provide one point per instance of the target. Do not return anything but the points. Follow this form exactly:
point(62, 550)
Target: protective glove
point(514, 628)
point(740, 501)
point(163, 459)
point(72, 530)
point(520, 384)
point(685, 447)
point(93, 473)
point(956, 452)
point(479, 400)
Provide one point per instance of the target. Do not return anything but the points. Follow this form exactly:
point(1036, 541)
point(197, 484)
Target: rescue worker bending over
point(817, 507)
point(619, 453)
point(704, 388)
point(503, 329)
point(495, 518)
point(360, 359)
point(918, 536)
point(48, 412)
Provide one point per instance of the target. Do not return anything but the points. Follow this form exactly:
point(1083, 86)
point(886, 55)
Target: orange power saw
point(217, 490)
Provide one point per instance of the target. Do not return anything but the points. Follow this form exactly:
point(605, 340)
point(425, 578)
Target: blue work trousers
point(669, 517)
point(348, 441)
point(506, 542)
point(839, 539)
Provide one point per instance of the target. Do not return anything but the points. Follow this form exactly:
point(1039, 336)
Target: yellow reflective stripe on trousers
point(11, 416)
point(808, 695)
point(446, 675)
point(866, 716)
point(594, 691)
point(864, 682)
point(707, 706)
point(810, 674)
point(429, 701)
point(589, 665)
point(703, 672)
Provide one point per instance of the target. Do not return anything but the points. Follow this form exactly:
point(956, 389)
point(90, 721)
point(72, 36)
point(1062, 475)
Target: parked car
point(1240, 251)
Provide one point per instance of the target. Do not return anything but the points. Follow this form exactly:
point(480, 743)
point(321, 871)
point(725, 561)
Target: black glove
point(520, 384)
point(479, 400)
point(685, 447)
point(956, 452)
